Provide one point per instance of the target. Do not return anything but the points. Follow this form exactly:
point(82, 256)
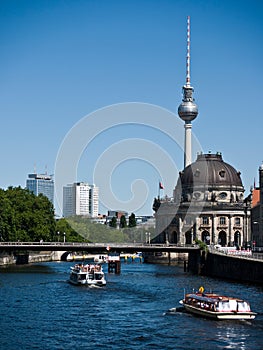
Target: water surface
point(41, 310)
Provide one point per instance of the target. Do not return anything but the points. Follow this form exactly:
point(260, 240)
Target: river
point(41, 310)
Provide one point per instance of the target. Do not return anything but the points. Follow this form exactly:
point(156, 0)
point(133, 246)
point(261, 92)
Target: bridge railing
point(244, 254)
point(85, 244)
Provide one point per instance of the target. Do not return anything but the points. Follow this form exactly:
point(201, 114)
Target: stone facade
point(208, 205)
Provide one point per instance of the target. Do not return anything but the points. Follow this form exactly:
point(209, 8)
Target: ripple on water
point(43, 311)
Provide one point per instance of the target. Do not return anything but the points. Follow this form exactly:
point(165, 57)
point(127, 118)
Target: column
point(187, 144)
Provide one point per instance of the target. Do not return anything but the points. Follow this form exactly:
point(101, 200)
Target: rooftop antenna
point(188, 53)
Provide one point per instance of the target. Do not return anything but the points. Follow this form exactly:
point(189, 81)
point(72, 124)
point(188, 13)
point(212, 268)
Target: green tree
point(63, 226)
point(24, 216)
point(95, 232)
point(7, 219)
point(123, 222)
point(113, 222)
point(132, 220)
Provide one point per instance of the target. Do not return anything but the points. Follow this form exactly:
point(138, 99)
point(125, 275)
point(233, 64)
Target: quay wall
point(9, 258)
point(232, 267)
point(165, 258)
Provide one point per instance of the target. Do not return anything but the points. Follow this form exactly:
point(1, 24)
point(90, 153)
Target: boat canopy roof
point(204, 298)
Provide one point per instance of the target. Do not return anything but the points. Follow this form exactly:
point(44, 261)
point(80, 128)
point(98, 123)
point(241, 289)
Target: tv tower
point(188, 109)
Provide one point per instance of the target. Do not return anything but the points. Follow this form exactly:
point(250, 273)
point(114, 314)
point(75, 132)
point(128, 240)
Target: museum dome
point(210, 169)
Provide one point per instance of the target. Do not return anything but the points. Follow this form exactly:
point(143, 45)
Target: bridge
point(97, 247)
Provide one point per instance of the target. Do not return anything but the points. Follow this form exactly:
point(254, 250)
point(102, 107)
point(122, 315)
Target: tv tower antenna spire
point(188, 109)
point(188, 53)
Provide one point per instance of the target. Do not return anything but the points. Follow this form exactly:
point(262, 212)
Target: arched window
point(206, 237)
point(222, 238)
point(222, 173)
point(174, 237)
point(188, 237)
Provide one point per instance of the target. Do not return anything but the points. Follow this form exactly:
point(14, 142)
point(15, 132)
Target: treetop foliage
point(24, 216)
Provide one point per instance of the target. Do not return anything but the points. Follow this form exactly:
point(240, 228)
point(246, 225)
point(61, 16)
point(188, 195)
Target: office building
point(80, 199)
point(41, 183)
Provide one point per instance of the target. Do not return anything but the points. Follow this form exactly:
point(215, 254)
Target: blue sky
point(61, 61)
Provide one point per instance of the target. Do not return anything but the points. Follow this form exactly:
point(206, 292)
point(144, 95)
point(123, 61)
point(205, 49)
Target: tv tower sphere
point(188, 110)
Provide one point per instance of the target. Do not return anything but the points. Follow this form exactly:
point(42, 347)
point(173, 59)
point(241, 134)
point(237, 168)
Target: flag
point(161, 186)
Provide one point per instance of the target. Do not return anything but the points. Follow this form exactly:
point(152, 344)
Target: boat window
point(243, 306)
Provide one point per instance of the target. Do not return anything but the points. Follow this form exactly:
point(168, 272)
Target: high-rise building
point(80, 198)
point(94, 201)
point(41, 183)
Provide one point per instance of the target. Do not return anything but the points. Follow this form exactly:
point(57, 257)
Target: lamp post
point(255, 234)
point(58, 235)
point(64, 237)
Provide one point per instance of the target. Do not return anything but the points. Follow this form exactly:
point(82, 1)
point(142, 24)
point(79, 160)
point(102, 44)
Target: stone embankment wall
point(10, 258)
point(232, 267)
point(7, 259)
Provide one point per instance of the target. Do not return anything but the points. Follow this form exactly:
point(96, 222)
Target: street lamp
point(58, 235)
point(255, 234)
point(64, 237)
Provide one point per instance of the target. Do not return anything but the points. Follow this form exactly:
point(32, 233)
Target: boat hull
point(87, 282)
point(91, 275)
point(221, 315)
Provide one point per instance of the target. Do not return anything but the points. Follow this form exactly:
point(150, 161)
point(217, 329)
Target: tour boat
point(91, 274)
point(101, 259)
point(216, 306)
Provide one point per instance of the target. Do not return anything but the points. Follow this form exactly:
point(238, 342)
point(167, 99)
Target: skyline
point(63, 61)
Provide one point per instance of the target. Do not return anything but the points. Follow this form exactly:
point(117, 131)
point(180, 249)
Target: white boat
point(90, 274)
point(216, 306)
point(101, 259)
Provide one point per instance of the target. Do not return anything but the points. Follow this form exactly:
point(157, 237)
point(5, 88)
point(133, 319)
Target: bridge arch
point(64, 256)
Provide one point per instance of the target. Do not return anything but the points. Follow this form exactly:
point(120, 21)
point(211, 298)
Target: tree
point(113, 222)
point(132, 220)
point(123, 222)
point(24, 216)
point(63, 226)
